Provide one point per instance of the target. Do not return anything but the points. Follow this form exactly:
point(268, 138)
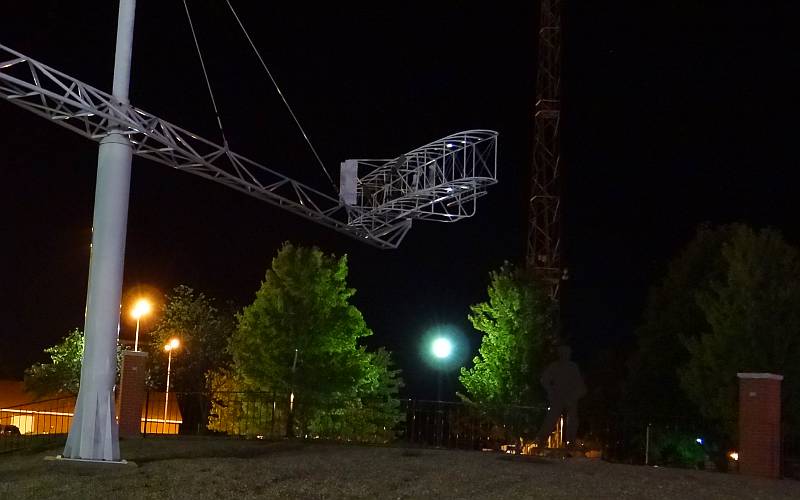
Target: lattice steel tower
point(544, 212)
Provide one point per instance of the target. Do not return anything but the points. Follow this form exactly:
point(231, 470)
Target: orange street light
point(141, 308)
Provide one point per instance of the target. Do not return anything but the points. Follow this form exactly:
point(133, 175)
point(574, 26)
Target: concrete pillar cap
point(770, 376)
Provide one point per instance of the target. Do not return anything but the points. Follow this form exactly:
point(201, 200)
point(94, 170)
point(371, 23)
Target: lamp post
point(141, 308)
point(169, 347)
point(441, 349)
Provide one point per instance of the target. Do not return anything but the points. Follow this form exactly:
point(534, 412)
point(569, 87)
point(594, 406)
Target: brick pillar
point(132, 393)
point(760, 424)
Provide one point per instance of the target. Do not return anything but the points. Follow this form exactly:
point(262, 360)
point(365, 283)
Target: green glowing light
point(442, 347)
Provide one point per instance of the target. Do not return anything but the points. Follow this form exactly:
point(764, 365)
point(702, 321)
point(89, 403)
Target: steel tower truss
point(544, 212)
point(439, 181)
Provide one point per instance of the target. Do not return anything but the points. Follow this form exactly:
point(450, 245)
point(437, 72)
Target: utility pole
point(290, 415)
point(93, 434)
point(544, 212)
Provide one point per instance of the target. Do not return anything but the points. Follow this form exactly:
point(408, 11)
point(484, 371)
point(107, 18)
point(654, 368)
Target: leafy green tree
point(672, 314)
point(753, 317)
point(373, 413)
point(63, 374)
point(203, 331)
point(518, 328)
point(300, 336)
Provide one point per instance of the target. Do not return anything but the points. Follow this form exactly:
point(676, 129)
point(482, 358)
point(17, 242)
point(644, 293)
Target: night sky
point(672, 116)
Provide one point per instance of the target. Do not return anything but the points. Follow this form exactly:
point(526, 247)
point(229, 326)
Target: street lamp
point(141, 308)
point(441, 348)
point(169, 347)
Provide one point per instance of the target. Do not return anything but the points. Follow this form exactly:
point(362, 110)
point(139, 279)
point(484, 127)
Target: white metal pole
point(166, 395)
point(136, 342)
point(93, 434)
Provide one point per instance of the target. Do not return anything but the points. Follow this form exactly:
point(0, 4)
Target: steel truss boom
point(94, 114)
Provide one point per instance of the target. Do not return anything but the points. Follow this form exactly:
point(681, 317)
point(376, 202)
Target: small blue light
point(699, 440)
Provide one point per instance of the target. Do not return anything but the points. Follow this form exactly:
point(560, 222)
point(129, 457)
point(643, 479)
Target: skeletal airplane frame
point(378, 198)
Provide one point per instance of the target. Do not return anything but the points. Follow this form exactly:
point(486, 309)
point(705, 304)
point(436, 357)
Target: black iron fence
point(465, 426)
point(267, 415)
point(31, 425)
point(650, 439)
point(630, 438)
point(246, 414)
point(627, 438)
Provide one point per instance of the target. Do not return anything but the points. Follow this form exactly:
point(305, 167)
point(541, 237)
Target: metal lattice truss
point(544, 235)
point(381, 220)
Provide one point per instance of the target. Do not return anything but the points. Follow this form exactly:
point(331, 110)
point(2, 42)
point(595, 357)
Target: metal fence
point(262, 415)
point(465, 426)
point(648, 439)
point(620, 437)
point(629, 438)
point(40, 423)
point(266, 415)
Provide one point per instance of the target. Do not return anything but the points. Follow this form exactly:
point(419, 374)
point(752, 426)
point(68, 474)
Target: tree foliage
point(63, 374)
point(203, 330)
point(517, 324)
point(672, 314)
point(753, 317)
point(300, 335)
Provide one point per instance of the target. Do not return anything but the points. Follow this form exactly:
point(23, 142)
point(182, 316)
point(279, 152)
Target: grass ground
point(224, 468)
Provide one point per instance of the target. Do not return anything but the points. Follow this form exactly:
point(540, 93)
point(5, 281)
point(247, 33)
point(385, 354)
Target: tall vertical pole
point(290, 415)
point(166, 393)
point(136, 342)
point(93, 434)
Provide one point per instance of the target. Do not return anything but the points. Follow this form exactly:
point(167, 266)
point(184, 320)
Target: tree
point(374, 411)
point(753, 318)
point(300, 336)
point(63, 374)
point(204, 332)
point(518, 329)
point(672, 314)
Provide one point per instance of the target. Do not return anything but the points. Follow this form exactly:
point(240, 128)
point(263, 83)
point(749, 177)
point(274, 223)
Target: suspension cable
point(205, 74)
point(269, 73)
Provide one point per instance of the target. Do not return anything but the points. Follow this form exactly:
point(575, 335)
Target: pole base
point(59, 458)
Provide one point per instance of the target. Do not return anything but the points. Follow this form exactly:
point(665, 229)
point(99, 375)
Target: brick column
point(132, 393)
point(760, 424)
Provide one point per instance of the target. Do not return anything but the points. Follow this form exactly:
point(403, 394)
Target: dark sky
point(673, 115)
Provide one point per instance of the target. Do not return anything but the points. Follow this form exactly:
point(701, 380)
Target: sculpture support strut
point(93, 434)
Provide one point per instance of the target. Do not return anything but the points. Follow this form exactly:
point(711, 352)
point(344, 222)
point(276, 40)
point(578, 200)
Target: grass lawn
point(201, 468)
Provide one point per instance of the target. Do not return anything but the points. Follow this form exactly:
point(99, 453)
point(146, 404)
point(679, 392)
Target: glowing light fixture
point(172, 344)
point(141, 308)
point(442, 347)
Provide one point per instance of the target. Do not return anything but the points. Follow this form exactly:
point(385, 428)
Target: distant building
point(52, 414)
